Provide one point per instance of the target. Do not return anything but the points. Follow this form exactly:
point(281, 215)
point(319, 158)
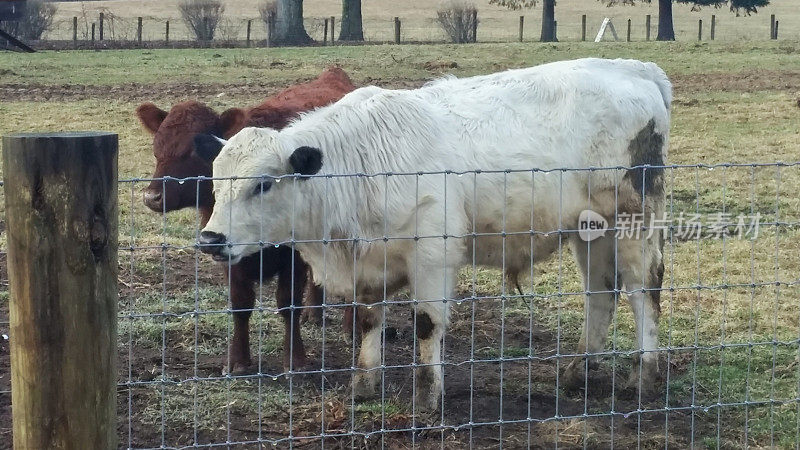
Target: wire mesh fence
point(728, 336)
point(232, 31)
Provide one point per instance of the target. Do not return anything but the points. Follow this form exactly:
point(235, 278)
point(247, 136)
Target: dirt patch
point(738, 82)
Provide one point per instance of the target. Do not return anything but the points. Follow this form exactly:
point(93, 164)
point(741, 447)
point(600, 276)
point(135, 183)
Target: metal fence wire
point(728, 334)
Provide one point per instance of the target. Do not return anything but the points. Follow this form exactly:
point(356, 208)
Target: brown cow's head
point(173, 146)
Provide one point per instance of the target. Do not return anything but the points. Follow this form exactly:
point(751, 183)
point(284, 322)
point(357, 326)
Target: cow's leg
point(290, 303)
point(433, 288)
point(642, 272)
point(314, 300)
point(366, 378)
point(596, 262)
point(242, 300)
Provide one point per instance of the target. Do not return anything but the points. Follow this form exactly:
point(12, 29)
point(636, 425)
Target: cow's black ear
point(306, 160)
point(207, 146)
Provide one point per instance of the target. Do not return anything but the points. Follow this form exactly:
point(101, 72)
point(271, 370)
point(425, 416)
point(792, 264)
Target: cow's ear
point(208, 146)
point(232, 121)
point(306, 160)
point(150, 116)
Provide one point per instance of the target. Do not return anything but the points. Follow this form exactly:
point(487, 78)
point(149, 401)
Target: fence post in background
point(249, 24)
point(521, 26)
point(166, 33)
point(772, 26)
point(75, 32)
point(713, 26)
point(474, 25)
point(583, 28)
point(332, 28)
point(270, 26)
point(61, 212)
point(700, 30)
point(775, 33)
point(325, 32)
point(92, 32)
point(555, 31)
point(647, 27)
point(139, 31)
point(205, 34)
point(102, 19)
point(629, 30)
point(396, 30)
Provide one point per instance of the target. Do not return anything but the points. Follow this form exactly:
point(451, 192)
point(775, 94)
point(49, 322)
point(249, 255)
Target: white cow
point(587, 113)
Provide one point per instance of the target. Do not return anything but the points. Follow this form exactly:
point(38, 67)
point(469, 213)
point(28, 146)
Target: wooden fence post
point(92, 32)
point(700, 30)
point(75, 32)
point(61, 211)
point(474, 25)
point(102, 17)
point(206, 36)
point(521, 26)
point(332, 28)
point(583, 27)
point(555, 31)
point(166, 33)
point(139, 30)
point(249, 24)
point(629, 30)
point(396, 30)
point(713, 26)
point(647, 27)
point(325, 32)
point(772, 26)
point(775, 33)
point(270, 27)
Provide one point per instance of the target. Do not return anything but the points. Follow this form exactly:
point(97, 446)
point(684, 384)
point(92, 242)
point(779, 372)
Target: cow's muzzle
point(214, 244)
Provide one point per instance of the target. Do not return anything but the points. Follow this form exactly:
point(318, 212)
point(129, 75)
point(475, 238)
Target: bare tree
point(202, 17)
point(352, 27)
point(289, 28)
point(36, 19)
point(457, 20)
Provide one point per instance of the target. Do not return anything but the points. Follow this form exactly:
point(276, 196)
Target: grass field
point(730, 317)
point(497, 23)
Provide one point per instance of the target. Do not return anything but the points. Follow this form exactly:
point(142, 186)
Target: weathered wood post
point(713, 26)
point(61, 211)
point(700, 30)
point(166, 33)
point(332, 29)
point(102, 17)
point(521, 26)
point(249, 25)
point(92, 32)
point(75, 32)
point(325, 32)
point(629, 31)
point(555, 31)
point(583, 28)
point(396, 30)
point(139, 31)
point(775, 33)
point(474, 25)
point(772, 26)
point(647, 27)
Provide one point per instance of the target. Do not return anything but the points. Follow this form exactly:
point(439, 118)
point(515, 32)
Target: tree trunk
point(665, 30)
point(289, 28)
point(548, 21)
point(352, 29)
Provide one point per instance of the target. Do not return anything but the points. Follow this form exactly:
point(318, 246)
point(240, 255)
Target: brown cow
point(173, 146)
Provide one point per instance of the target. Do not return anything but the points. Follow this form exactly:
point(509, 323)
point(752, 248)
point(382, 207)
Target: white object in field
point(606, 25)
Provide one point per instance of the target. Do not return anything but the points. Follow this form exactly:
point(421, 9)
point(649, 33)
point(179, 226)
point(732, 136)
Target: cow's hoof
point(299, 364)
point(311, 316)
point(239, 369)
point(365, 385)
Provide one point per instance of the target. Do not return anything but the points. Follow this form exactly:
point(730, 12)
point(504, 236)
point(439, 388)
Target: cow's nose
point(152, 199)
point(211, 242)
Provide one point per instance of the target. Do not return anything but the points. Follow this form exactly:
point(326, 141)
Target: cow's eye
point(262, 187)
